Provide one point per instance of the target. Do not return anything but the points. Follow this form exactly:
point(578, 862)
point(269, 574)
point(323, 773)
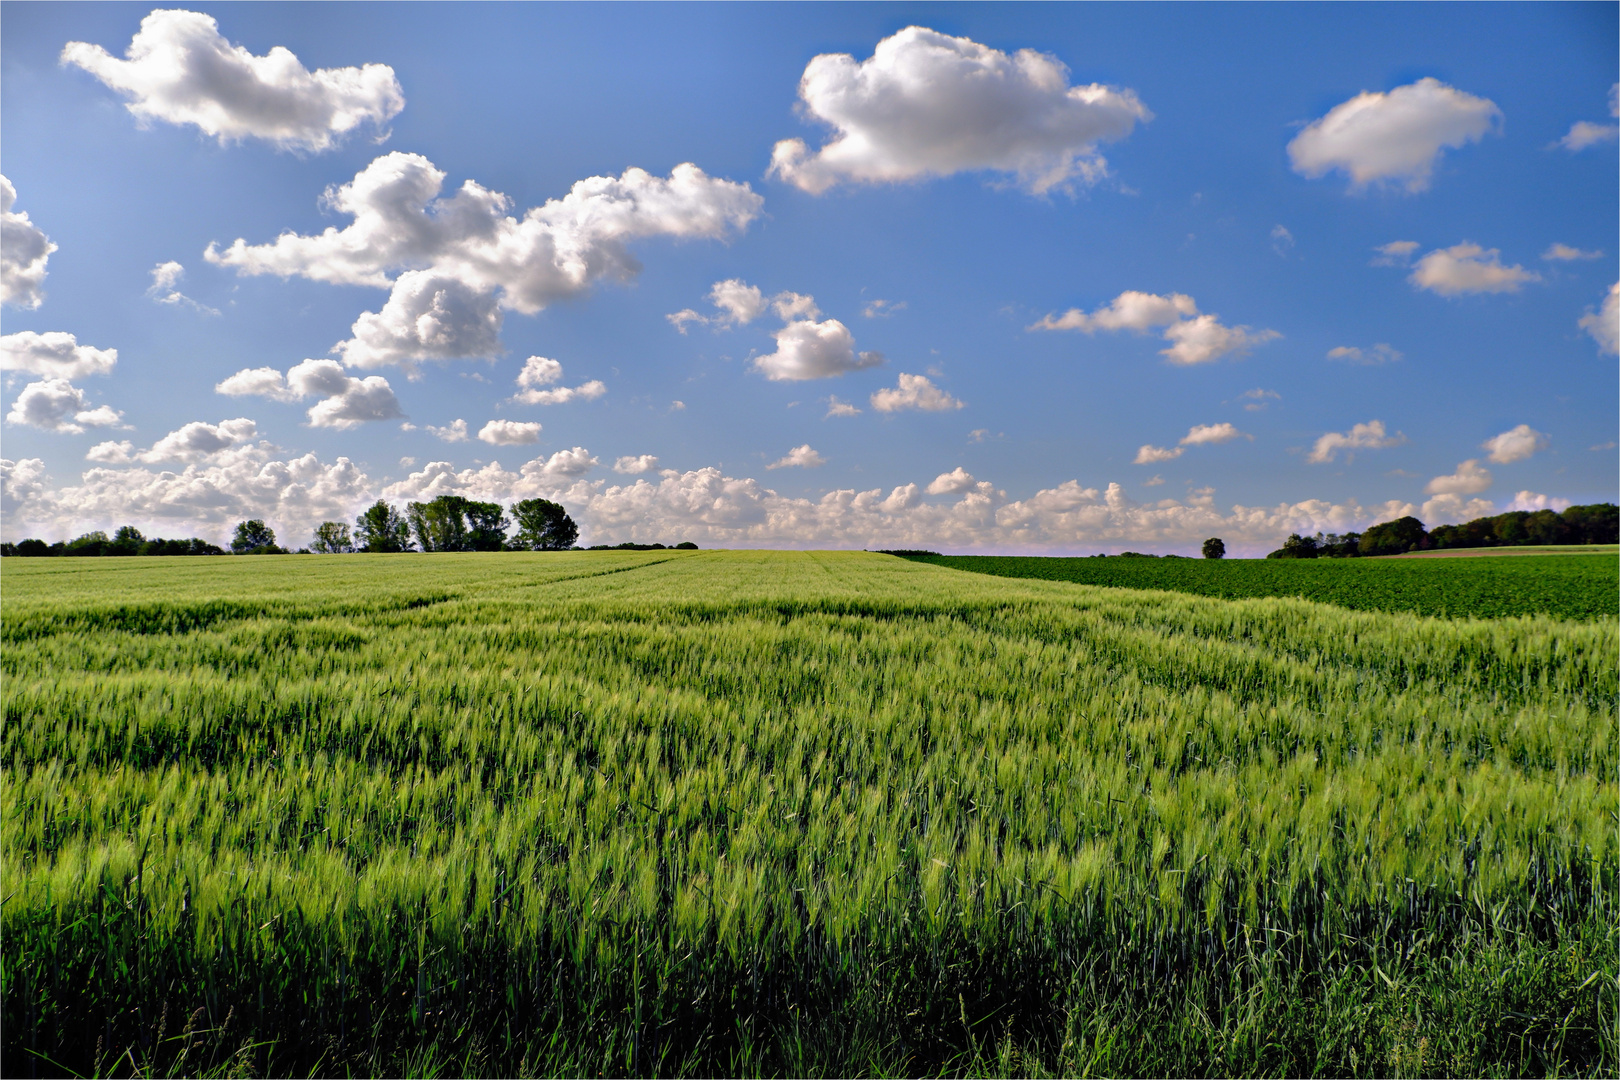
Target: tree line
point(1597, 523)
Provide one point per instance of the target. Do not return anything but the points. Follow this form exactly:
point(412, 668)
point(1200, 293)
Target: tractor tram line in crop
point(778, 813)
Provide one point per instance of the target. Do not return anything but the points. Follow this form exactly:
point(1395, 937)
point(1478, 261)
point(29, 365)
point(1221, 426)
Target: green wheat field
point(726, 813)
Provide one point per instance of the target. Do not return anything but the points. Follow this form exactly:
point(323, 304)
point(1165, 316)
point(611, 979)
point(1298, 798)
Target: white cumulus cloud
point(428, 316)
point(1368, 436)
point(1193, 338)
point(181, 71)
point(1604, 324)
point(541, 371)
point(1148, 454)
point(460, 258)
point(814, 350)
point(954, 482)
point(55, 355)
point(510, 433)
point(345, 401)
point(1395, 253)
point(800, 457)
point(1584, 133)
point(739, 303)
point(1381, 353)
point(1515, 444)
point(836, 407)
point(1532, 501)
point(1197, 435)
point(1565, 253)
point(1468, 268)
point(926, 104)
point(634, 464)
point(1470, 478)
point(198, 441)
point(914, 392)
point(24, 251)
point(455, 431)
point(58, 405)
point(1394, 136)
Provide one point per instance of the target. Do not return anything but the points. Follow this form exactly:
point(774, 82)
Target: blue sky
point(1323, 264)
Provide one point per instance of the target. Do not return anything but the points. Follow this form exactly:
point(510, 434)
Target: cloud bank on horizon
point(961, 169)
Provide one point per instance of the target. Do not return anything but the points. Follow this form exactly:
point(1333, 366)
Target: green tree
point(252, 538)
point(543, 526)
point(381, 528)
point(331, 538)
point(1395, 537)
point(440, 525)
point(1214, 548)
point(1296, 547)
point(127, 541)
point(486, 525)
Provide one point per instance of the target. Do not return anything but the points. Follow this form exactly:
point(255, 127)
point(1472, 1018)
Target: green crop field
point(802, 814)
point(1568, 586)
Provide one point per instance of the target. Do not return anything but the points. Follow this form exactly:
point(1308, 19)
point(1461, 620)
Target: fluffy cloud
point(1397, 136)
point(1604, 324)
point(292, 495)
point(1531, 501)
point(345, 401)
point(882, 309)
point(554, 252)
point(632, 465)
point(1148, 454)
point(24, 251)
point(954, 482)
point(58, 405)
point(1395, 253)
point(1451, 508)
point(927, 104)
point(914, 392)
point(1130, 310)
point(510, 433)
point(462, 257)
point(1194, 338)
point(181, 71)
point(1470, 478)
point(814, 350)
point(1381, 353)
point(1368, 436)
point(428, 316)
point(800, 457)
point(1200, 340)
point(165, 288)
point(739, 303)
point(1197, 435)
point(1468, 268)
point(55, 355)
point(544, 477)
point(1584, 133)
point(835, 407)
point(455, 431)
point(1565, 253)
point(198, 441)
point(1515, 444)
point(541, 371)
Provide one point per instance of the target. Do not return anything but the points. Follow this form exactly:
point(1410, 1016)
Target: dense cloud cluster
point(345, 401)
point(457, 260)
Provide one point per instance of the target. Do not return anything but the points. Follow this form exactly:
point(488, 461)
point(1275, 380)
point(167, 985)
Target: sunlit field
point(793, 814)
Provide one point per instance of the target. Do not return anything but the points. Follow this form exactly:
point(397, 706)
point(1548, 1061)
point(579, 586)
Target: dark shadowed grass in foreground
point(790, 814)
point(1566, 586)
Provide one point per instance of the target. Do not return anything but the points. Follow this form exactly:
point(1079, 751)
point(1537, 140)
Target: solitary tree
point(331, 538)
point(1214, 548)
point(252, 538)
point(382, 528)
point(543, 526)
